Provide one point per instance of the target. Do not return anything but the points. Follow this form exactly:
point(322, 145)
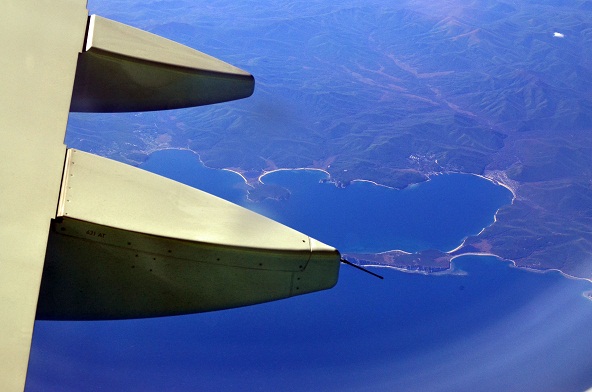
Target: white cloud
point(558, 35)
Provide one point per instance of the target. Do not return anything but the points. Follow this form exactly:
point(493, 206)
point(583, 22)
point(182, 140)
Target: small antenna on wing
point(344, 261)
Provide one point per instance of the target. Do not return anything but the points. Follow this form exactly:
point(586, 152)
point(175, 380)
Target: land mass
point(395, 94)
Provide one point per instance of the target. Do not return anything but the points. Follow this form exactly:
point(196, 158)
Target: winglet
point(124, 69)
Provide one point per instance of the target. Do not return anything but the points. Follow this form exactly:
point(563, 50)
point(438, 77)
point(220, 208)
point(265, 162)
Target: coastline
point(451, 269)
point(496, 177)
point(260, 178)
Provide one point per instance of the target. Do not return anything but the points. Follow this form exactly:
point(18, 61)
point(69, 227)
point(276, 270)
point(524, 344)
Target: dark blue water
point(185, 167)
point(488, 327)
point(494, 329)
point(437, 214)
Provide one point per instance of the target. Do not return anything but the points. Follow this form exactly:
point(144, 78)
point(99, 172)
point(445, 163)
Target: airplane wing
point(83, 237)
point(124, 69)
point(40, 42)
point(127, 243)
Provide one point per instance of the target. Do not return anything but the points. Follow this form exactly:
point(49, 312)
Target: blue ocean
point(485, 326)
point(363, 217)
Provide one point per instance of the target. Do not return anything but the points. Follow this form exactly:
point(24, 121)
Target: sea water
point(363, 217)
point(485, 326)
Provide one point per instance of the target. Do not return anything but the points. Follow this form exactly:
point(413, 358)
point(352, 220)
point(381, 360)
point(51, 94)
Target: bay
point(364, 217)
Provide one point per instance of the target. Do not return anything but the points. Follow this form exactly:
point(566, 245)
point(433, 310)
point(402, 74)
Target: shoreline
point(495, 177)
point(486, 176)
point(259, 179)
point(476, 254)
